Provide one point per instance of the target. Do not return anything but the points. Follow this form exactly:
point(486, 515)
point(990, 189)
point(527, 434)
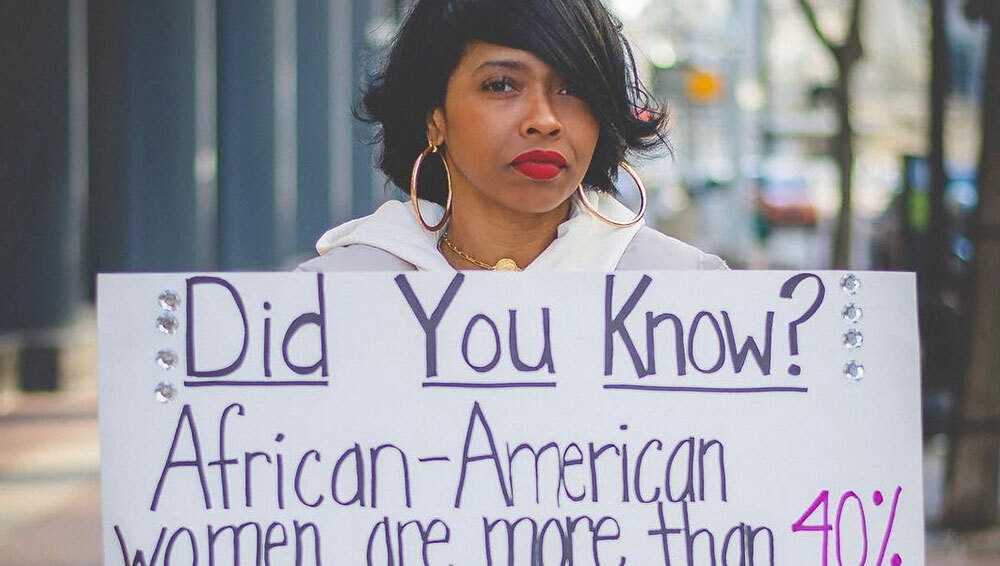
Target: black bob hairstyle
point(578, 38)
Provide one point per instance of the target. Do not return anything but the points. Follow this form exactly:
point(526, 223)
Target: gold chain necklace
point(505, 264)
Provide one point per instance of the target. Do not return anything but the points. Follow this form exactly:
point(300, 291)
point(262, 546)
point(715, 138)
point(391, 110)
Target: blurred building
point(748, 84)
point(143, 135)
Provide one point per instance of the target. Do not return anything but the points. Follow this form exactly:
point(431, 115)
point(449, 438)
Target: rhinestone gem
point(165, 392)
point(169, 300)
point(167, 323)
point(852, 313)
point(854, 371)
point(166, 359)
point(850, 283)
point(853, 339)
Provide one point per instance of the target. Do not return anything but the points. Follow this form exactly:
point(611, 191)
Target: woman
point(507, 121)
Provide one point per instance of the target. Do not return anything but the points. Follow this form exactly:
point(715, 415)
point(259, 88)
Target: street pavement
point(50, 503)
point(50, 488)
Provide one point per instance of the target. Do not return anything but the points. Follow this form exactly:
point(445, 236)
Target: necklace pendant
point(506, 264)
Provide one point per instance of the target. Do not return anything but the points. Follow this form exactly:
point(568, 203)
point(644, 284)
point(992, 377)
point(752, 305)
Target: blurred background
point(188, 135)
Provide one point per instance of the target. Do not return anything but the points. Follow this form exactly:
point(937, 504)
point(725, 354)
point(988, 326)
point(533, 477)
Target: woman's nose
point(541, 118)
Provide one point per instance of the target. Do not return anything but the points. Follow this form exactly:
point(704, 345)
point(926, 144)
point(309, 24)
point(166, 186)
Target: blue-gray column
point(159, 135)
point(107, 226)
point(315, 160)
point(335, 160)
point(148, 167)
point(246, 134)
point(42, 156)
point(362, 154)
point(43, 101)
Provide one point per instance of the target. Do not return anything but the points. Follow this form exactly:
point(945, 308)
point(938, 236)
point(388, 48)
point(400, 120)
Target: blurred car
point(784, 201)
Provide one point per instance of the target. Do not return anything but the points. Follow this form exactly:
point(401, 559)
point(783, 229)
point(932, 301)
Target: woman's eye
point(501, 85)
point(568, 90)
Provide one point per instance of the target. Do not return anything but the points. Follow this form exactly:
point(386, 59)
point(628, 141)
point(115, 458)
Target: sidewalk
point(50, 503)
point(49, 482)
point(50, 488)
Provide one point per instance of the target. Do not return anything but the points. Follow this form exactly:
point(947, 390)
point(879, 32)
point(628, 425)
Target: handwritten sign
point(668, 418)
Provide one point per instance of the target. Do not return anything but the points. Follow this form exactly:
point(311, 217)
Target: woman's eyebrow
point(510, 64)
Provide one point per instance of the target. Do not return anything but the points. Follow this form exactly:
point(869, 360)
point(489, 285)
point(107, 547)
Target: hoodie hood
point(583, 243)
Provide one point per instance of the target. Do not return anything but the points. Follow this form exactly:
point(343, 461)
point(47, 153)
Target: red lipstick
point(539, 164)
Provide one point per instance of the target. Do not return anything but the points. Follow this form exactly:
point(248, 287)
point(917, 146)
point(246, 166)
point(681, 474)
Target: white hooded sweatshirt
point(391, 239)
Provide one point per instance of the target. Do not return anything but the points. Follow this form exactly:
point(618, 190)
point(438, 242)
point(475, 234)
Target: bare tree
point(934, 270)
point(971, 494)
point(845, 55)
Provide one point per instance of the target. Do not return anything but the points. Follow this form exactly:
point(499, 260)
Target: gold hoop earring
point(642, 201)
point(431, 148)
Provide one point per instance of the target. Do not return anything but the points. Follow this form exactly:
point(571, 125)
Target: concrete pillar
point(365, 181)
point(257, 121)
point(314, 47)
point(43, 157)
point(144, 140)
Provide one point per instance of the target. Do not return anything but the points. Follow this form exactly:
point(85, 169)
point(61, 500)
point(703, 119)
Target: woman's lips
point(539, 164)
point(535, 170)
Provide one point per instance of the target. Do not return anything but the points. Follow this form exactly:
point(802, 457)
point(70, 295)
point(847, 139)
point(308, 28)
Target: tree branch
point(810, 14)
point(853, 44)
point(855, 17)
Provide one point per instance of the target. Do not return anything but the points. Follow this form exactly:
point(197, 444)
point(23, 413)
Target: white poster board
point(679, 418)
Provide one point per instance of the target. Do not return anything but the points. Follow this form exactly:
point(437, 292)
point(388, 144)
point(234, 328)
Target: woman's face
point(516, 135)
